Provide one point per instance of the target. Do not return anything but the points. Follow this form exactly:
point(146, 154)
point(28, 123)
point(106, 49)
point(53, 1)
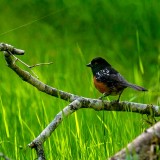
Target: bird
point(109, 81)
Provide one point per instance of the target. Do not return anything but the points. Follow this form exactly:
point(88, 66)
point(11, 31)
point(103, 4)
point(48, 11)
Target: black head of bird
point(97, 64)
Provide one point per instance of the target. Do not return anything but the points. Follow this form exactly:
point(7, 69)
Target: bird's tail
point(138, 88)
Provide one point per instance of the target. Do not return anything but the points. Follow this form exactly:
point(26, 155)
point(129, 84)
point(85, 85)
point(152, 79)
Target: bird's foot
point(103, 96)
point(115, 101)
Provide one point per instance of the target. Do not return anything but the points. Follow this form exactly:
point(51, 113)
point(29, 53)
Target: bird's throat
point(97, 69)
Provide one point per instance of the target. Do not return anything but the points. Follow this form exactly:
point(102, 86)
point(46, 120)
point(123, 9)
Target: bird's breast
point(108, 88)
point(101, 87)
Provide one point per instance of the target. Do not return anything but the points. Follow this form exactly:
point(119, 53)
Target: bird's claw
point(115, 101)
point(101, 98)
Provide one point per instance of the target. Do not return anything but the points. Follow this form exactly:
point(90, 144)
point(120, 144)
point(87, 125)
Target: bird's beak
point(89, 65)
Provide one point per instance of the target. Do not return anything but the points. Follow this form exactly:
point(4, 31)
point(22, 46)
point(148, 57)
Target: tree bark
point(145, 147)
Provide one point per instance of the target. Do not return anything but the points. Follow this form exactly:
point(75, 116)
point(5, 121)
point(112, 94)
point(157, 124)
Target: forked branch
point(76, 102)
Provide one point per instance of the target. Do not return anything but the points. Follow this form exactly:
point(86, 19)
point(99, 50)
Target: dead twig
point(14, 51)
point(40, 64)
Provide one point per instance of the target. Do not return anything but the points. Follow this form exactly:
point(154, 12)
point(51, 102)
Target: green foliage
point(71, 33)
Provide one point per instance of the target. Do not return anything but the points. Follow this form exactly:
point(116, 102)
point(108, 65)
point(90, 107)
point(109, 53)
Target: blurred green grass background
point(71, 33)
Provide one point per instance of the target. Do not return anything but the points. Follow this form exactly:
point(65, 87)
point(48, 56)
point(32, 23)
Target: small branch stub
point(9, 48)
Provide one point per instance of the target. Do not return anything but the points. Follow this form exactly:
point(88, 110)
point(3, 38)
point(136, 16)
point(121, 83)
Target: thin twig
point(28, 66)
point(17, 59)
point(35, 65)
point(14, 51)
point(25, 64)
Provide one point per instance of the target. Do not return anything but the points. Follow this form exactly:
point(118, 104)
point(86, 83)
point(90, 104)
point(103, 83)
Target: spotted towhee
point(107, 80)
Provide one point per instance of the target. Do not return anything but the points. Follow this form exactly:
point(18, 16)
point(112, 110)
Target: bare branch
point(17, 59)
point(72, 107)
point(26, 76)
point(9, 48)
point(87, 102)
point(25, 64)
point(68, 110)
point(143, 147)
point(14, 51)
